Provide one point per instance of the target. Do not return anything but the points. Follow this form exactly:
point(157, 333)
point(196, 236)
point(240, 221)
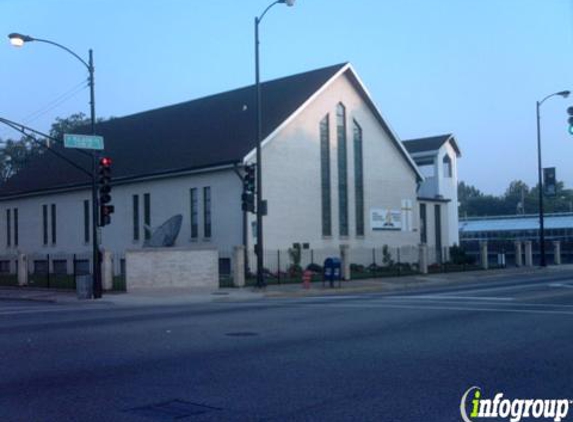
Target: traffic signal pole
point(542, 260)
point(97, 282)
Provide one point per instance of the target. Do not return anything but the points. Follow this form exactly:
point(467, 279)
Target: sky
point(474, 68)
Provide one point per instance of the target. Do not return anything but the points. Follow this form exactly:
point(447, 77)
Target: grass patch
point(8, 280)
point(52, 281)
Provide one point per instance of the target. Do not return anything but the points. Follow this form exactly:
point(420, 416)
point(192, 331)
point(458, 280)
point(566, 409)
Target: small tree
point(295, 257)
point(387, 256)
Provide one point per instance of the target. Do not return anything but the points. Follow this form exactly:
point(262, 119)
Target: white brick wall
point(168, 197)
point(292, 177)
point(174, 267)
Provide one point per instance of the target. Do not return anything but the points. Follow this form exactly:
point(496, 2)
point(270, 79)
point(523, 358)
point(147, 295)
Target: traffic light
point(248, 196)
point(549, 181)
point(570, 119)
point(105, 209)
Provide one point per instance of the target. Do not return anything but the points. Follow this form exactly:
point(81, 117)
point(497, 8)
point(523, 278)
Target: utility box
point(331, 271)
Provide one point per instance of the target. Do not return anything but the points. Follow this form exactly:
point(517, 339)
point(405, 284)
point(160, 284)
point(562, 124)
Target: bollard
point(528, 253)
point(483, 255)
point(239, 266)
point(518, 254)
point(22, 270)
point(423, 258)
point(107, 270)
point(345, 262)
point(557, 252)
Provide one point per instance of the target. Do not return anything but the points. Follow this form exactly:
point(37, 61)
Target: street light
point(259, 246)
point(542, 261)
point(18, 40)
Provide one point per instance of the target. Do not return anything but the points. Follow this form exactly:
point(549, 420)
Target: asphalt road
point(364, 357)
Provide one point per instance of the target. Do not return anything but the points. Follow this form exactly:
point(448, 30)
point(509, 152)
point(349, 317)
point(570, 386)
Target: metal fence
point(57, 271)
point(287, 265)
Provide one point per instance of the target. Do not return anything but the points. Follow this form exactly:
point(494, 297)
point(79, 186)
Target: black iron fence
point(286, 266)
point(58, 271)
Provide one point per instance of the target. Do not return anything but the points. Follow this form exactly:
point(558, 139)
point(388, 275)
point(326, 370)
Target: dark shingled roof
point(210, 131)
point(430, 144)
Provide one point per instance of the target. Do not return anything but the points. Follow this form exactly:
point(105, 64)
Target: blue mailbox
point(331, 271)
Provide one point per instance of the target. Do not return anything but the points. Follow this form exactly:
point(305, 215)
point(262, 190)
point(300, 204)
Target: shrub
point(387, 256)
point(315, 268)
point(357, 268)
point(294, 271)
point(459, 257)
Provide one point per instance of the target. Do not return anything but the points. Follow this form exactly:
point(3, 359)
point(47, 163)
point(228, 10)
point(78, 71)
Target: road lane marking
point(447, 297)
point(506, 288)
point(452, 308)
point(567, 286)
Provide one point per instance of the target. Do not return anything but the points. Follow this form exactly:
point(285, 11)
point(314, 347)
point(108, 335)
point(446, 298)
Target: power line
point(51, 105)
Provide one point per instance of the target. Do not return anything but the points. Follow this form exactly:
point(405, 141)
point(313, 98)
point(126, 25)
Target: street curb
point(27, 299)
point(379, 285)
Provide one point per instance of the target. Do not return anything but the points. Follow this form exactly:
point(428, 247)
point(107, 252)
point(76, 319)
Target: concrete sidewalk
point(412, 282)
point(156, 297)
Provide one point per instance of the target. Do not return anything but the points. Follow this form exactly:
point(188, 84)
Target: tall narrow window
point(342, 170)
point(147, 215)
point(207, 211)
point(8, 228)
point(15, 226)
point(438, 228)
point(86, 221)
point(358, 179)
point(325, 176)
point(54, 227)
point(136, 217)
point(194, 213)
point(45, 224)
point(423, 224)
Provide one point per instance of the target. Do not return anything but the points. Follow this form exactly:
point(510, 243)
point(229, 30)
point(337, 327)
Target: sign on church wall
point(385, 219)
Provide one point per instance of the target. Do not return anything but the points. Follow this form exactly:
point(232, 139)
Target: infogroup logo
point(474, 407)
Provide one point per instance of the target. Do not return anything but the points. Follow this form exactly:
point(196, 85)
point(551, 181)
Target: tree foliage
point(17, 153)
point(518, 198)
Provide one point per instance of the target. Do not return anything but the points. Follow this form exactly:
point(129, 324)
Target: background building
point(558, 226)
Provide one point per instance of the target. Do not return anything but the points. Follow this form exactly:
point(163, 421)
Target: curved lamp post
point(18, 40)
point(542, 260)
point(259, 210)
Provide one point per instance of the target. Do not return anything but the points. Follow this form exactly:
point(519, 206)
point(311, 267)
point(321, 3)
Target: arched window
point(447, 162)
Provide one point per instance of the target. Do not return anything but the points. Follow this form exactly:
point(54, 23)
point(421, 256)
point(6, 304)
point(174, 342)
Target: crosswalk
point(544, 298)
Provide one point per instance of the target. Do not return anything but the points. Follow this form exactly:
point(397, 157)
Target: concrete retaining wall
point(172, 267)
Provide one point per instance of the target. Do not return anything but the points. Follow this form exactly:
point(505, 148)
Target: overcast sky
point(472, 68)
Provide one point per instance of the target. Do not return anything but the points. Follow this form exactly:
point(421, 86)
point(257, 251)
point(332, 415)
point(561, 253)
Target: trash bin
point(84, 286)
point(331, 271)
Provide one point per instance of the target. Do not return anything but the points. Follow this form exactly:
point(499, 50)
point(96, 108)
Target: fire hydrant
point(306, 277)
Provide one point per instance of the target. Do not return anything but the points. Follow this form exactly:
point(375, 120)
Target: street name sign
point(83, 141)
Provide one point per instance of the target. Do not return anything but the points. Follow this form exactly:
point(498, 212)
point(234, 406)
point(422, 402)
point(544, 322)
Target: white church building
point(334, 173)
